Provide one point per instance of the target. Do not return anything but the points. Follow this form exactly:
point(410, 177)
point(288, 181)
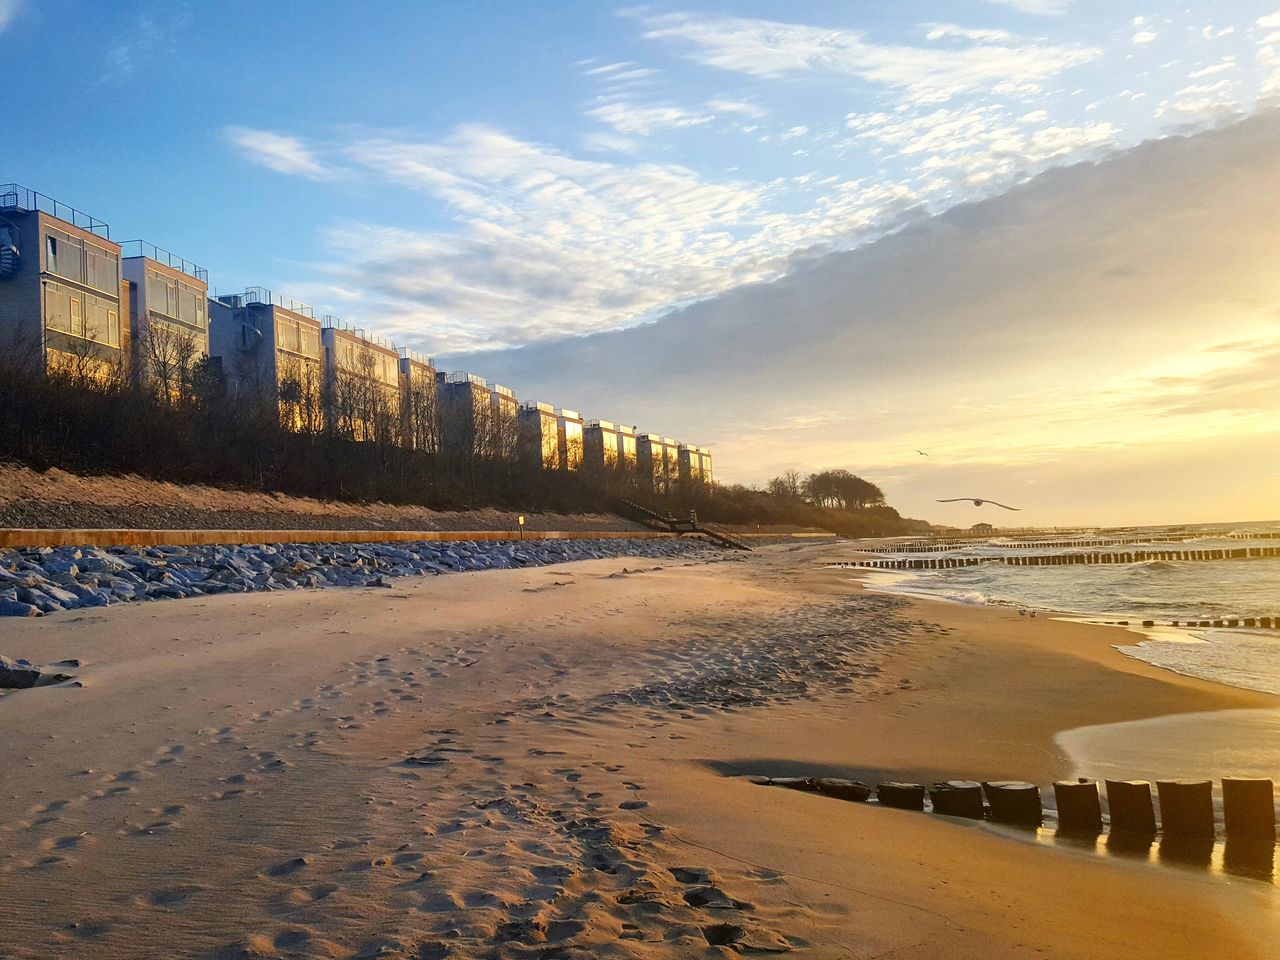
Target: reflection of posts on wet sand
point(1249, 858)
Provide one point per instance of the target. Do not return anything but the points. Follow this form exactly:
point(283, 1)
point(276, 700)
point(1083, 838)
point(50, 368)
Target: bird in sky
point(978, 503)
point(922, 453)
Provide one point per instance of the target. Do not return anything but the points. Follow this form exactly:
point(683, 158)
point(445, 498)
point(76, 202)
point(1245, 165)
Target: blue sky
point(467, 177)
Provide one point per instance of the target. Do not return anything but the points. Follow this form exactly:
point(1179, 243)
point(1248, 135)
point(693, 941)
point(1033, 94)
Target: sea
point(1160, 590)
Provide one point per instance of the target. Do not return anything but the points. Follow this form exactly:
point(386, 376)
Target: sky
point(1032, 238)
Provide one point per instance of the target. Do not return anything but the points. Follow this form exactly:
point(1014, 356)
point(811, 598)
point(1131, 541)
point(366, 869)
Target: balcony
point(16, 197)
point(141, 248)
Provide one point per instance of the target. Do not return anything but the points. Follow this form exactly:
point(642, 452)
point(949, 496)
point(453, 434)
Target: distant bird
point(978, 503)
point(922, 453)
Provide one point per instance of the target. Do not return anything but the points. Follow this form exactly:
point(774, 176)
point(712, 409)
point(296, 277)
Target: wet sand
point(551, 763)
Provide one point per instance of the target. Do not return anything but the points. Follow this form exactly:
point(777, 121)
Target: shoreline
point(509, 762)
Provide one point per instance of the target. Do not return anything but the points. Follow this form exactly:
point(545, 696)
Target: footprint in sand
point(172, 897)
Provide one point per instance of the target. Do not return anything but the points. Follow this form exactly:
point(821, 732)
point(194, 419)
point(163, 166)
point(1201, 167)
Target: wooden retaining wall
point(10, 537)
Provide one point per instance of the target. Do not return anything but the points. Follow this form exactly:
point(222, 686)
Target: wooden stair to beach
point(657, 519)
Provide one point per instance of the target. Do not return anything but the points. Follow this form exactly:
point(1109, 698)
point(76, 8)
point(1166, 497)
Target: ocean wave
point(1153, 566)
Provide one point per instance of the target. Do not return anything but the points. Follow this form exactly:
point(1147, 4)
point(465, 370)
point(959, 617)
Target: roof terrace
point(458, 376)
point(330, 322)
point(141, 248)
point(14, 196)
point(262, 295)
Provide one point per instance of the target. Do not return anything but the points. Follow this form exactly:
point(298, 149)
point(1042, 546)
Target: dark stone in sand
point(17, 675)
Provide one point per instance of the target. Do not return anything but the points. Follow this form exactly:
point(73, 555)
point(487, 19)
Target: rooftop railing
point(416, 357)
point(540, 407)
point(601, 425)
point(459, 376)
point(141, 248)
point(567, 414)
point(330, 322)
point(264, 296)
point(502, 391)
point(14, 196)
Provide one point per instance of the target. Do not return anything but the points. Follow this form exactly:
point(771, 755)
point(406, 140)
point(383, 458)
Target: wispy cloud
point(643, 120)
point(1047, 8)
point(148, 38)
point(770, 49)
point(8, 10)
point(278, 152)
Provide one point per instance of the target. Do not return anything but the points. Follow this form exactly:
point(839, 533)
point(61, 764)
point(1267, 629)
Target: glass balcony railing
point(141, 248)
point(14, 196)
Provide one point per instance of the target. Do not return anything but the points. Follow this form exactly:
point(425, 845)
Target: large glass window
point(81, 314)
point(102, 269)
point(64, 255)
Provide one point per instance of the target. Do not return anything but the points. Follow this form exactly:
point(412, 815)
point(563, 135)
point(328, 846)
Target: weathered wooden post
point(1079, 808)
point(1248, 807)
point(1014, 801)
point(1129, 803)
point(902, 796)
point(957, 798)
point(1186, 808)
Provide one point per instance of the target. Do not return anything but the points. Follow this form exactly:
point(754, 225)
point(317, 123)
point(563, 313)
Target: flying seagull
point(978, 503)
point(922, 453)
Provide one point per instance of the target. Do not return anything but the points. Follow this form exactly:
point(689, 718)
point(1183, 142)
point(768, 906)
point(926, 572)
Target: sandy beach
point(555, 762)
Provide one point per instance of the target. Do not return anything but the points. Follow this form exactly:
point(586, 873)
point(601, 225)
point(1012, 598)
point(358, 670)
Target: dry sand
point(549, 763)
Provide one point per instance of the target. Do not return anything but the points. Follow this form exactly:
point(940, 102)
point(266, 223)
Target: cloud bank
point(1094, 344)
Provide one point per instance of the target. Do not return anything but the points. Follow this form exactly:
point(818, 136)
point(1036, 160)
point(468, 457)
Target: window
point(188, 306)
point(162, 295)
point(64, 256)
point(102, 267)
point(81, 314)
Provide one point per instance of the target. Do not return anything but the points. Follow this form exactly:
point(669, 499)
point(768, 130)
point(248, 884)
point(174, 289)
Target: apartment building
point(420, 402)
point(60, 286)
point(466, 414)
point(601, 445)
point(270, 347)
point(506, 423)
point(361, 383)
point(657, 461)
point(694, 464)
point(539, 430)
point(569, 426)
point(167, 310)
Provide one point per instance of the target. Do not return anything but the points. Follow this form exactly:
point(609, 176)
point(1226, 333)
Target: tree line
point(164, 411)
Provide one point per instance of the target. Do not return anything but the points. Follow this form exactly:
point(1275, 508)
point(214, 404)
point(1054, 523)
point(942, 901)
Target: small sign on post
point(521, 519)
